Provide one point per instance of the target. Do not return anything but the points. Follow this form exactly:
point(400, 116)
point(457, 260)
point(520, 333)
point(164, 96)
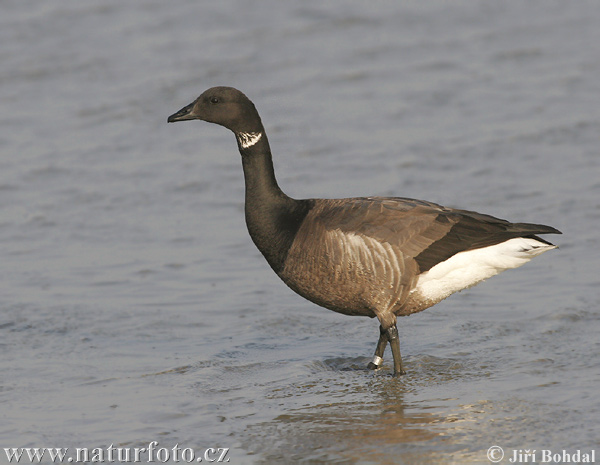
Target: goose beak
point(182, 115)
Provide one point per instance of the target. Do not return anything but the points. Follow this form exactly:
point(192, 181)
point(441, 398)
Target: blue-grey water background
point(134, 306)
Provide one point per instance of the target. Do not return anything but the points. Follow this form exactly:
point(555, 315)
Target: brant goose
point(379, 257)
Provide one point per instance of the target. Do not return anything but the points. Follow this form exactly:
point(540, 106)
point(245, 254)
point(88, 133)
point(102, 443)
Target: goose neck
point(257, 162)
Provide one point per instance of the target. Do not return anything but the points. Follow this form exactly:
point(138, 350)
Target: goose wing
point(425, 231)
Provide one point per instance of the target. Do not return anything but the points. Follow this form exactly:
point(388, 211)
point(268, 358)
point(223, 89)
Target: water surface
point(134, 307)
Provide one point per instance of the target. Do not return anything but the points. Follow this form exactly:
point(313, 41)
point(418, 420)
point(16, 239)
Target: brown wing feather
point(473, 230)
point(428, 232)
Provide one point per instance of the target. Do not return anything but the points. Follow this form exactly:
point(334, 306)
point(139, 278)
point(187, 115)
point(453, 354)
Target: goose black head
point(225, 106)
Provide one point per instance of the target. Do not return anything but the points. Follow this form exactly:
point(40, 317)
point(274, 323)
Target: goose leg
point(378, 357)
point(392, 335)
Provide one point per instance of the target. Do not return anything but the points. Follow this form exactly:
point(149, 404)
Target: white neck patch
point(248, 139)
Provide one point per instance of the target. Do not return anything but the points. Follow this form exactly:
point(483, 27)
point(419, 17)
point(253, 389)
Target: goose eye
point(214, 100)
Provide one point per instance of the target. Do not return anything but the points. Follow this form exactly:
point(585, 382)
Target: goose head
point(224, 106)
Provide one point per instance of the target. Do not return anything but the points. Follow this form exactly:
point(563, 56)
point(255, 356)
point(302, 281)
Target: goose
point(381, 257)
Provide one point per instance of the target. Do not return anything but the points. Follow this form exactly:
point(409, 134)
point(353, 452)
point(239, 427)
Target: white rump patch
point(248, 139)
point(465, 269)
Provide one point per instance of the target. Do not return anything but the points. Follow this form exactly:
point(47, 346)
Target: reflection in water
point(343, 431)
point(348, 415)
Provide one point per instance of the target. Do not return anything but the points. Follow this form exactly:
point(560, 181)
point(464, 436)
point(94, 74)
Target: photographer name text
point(549, 456)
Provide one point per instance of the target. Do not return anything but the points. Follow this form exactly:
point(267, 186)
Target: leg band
point(377, 360)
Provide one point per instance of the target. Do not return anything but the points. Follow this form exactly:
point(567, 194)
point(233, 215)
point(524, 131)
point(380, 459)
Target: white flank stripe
point(465, 269)
point(248, 139)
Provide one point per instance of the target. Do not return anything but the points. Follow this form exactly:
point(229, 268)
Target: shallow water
point(134, 307)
